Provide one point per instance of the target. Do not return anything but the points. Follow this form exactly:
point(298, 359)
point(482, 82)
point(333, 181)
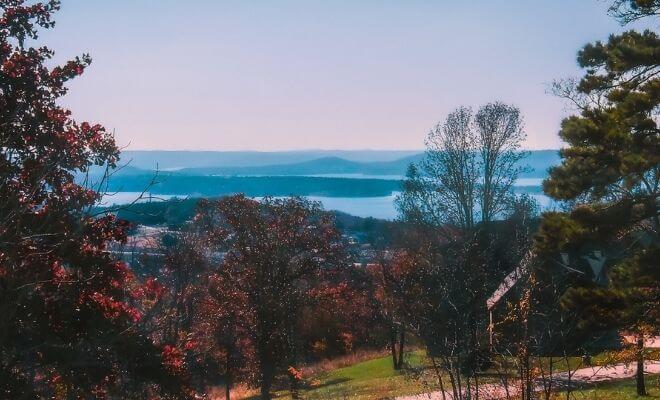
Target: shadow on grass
point(283, 391)
point(330, 382)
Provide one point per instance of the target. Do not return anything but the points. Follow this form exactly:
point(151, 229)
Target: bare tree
point(499, 133)
point(471, 164)
point(442, 188)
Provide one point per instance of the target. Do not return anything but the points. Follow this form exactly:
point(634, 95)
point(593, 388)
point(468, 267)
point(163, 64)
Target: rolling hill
point(173, 160)
point(285, 164)
point(319, 166)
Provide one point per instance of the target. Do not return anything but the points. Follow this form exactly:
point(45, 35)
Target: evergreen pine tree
point(610, 172)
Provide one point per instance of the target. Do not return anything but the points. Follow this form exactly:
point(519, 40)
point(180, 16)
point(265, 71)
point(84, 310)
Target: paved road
point(580, 376)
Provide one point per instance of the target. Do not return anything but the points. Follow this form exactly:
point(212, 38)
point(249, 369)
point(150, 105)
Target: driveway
point(580, 376)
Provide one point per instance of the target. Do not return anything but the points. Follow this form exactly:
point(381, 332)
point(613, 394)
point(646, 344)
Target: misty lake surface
point(519, 181)
point(375, 207)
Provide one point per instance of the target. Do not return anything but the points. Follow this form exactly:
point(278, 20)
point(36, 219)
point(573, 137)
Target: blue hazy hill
point(371, 174)
point(319, 166)
point(372, 163)
point(172, 160)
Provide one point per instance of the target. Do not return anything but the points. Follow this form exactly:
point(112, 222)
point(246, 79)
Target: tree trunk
point(439, 376)
point(397, 338)
point(402, 338)
point(639, 376)
point(266, 369)
point(294, 387)
point(228, 378)
point(266, 381)
point(457, 373)
point(476, 386)
point(229, 360)
point(393, 348)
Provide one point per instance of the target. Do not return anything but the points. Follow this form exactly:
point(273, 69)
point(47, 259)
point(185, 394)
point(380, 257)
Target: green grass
point(377, 379)
point(372, 379)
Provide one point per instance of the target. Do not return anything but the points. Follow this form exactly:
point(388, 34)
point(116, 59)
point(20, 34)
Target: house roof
point(509, 281)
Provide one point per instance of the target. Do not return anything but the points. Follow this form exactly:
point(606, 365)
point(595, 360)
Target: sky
point(312, 74)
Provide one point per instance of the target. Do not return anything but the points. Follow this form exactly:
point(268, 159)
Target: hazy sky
point(275, 75)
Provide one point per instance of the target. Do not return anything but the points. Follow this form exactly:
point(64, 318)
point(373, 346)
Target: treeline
point(253, 186)
point(175, 213)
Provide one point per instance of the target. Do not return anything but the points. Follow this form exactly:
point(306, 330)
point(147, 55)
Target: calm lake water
point(376, 207)
point(519, 182)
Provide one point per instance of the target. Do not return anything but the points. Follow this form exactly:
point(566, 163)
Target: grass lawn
point(372, 379)
point(376, 379)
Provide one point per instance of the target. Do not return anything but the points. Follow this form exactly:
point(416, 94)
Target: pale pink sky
point(276, 75)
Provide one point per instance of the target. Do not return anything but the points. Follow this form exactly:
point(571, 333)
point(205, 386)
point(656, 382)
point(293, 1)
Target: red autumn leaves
point(71, 311)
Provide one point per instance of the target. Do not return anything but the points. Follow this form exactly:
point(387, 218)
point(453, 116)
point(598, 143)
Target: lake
point(376, 207)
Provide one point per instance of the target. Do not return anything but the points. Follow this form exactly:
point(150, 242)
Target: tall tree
point(611, 173)
point(471, 164)
point(631, 10)
point(273, 252)
point(500, 132)
point(68, 308)
point(398, 292)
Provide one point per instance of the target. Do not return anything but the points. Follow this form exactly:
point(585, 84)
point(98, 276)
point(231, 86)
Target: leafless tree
point(499, 134)
point(471, 164)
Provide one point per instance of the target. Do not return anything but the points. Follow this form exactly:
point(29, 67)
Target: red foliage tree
point(398, 290)
point(274, 253)
point(66, 304)
point(343, 315)
point(228, 321)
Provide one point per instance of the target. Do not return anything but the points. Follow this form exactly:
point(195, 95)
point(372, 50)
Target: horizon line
point(301, 150)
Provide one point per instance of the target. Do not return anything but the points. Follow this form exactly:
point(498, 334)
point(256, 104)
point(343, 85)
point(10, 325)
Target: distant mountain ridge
point(538, 162)
point(319, 166)
point(172, 160)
